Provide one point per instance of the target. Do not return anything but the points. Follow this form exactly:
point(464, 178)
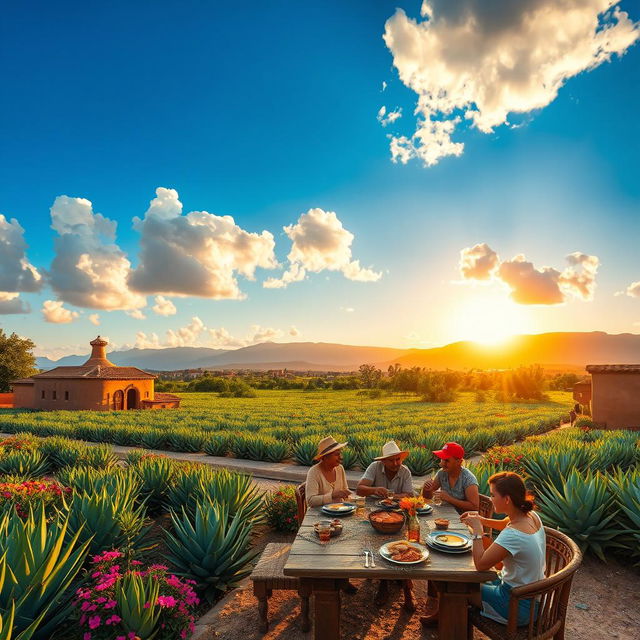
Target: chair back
point(552, 592)
point(301, 501)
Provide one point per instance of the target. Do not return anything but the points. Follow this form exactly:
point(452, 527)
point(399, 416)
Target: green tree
point(369, 375)
point(16, 359)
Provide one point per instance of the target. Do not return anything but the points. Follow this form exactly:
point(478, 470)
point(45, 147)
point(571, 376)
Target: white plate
point(427, 509)
point(342, 508)
point(384, 552)
point(461, 541)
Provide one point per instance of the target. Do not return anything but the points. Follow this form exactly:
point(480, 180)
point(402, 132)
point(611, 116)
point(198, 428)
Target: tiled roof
point(613, 368)
point(97, 372)
point(162, 397)
point(23, 381)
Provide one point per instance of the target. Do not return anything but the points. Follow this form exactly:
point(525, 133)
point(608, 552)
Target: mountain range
point(570, 350)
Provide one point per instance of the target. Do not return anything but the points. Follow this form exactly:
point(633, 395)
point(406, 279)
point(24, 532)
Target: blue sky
point(265, 111)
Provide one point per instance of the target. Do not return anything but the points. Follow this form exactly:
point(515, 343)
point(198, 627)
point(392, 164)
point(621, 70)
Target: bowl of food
point(441, 523)
point(386, 521)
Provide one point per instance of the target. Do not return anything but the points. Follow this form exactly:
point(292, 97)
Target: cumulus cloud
point(94, 319)
point(385, 118)
point(480, 60)
point(478, 262)
point(136, 314)
point(164, 306)
point(16, 272)
point(89, 269)
point(293, 331)
point(10, 303)
point(55, 312)
point(528, 284)
point(197, 334)
point(197, 254)
point(633, 290)
point(319, 242)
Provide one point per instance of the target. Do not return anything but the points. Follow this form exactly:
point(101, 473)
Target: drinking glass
point(360, 502)
point(437, 498)
point(324, 530)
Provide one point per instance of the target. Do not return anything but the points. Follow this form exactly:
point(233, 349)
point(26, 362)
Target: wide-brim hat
point(328, 445)
point(391, 449)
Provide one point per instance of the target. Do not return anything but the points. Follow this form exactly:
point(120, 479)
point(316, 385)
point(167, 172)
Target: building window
point(146, 394)
point(55, 395)
point(42, 394)
point(66, 395)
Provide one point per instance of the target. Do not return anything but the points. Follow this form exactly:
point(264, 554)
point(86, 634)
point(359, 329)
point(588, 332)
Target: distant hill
point(567, 349)
point(557, 350)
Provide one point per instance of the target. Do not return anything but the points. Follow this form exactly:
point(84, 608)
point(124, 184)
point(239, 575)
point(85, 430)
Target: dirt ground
point(605, 603)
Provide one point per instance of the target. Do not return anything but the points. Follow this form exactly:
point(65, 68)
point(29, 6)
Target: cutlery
point(373, 562)
point(366, 559)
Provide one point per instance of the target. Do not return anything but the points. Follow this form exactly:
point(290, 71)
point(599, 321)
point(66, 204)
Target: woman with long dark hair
point(520, 546)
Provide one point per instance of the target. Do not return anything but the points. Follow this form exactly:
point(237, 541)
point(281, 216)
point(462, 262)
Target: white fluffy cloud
point(478, 262)
point(319, 242)
point(89, 270)
point(197, 254)
point(633, 290)
point(94, 319)
point(294, 331)
point(385, 118)
point(528, 284)
point(10, 302)
point(480, 60)
point(55, 312)
point(197, 334)
point(164, 306)
point(16, 273)
point(136, 314)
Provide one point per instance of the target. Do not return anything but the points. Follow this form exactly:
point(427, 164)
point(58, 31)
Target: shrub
point(281, 510)
point(29, 495)
point(420, 461)
point(216, 445)
point(305, 450)
point(121, 601)
point(20, 442)
point(156, 475)
point(505, 459)
point(100, 457)
point(62, 452)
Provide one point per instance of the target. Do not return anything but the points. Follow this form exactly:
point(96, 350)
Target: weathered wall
point(615, 399)
point(23, 396)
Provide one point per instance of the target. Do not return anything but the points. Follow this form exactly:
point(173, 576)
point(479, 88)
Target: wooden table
point(325, 567)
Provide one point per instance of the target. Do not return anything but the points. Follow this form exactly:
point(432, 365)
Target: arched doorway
point(132, 399)
point(118, 400)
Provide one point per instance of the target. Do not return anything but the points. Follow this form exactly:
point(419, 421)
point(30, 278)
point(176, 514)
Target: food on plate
point(404, 552)
point(389, 502)
point(451, 540)
point(441, 523)
point(387, 517)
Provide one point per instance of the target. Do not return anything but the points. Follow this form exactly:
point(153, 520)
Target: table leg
point(326, 609)
point(452, 610)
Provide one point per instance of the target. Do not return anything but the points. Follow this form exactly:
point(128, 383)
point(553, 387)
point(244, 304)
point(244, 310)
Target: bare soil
point(605, 603)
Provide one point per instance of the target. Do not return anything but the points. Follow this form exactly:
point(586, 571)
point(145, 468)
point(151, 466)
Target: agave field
point(586, 483)
point(75, 540)
point(280, 425)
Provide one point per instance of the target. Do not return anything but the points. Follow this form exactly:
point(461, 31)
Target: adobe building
point(615, 395)
point(97, 385)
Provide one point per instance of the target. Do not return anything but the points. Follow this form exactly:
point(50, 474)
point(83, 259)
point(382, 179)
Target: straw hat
point(391, 449)
point(328, 445)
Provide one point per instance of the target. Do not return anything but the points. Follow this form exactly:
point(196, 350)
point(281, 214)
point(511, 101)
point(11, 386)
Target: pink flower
point(114, 619)
point(167, 601)
point(110, 604)
point(87, 636)
point(94, 622)
point(146, 605)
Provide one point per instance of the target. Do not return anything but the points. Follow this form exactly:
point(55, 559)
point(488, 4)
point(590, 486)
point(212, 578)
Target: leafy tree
point(16, 359)
point(370, 375)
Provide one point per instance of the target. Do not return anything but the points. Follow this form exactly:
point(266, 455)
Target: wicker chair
point(268, 575)
point(301, 501)
point(552, 594)
point(486, 506)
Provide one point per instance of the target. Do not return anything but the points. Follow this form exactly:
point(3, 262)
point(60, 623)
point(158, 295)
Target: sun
point(489, 320)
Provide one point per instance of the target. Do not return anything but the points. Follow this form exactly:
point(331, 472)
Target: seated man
point(387, 477)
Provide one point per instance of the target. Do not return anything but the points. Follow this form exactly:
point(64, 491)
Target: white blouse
point(319, 489)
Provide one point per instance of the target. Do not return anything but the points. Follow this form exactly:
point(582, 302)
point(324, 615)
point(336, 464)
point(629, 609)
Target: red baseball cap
point(451, 450)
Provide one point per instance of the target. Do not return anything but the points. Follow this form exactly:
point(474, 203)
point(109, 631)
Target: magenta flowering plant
point(125, 601)
point(23, 496)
